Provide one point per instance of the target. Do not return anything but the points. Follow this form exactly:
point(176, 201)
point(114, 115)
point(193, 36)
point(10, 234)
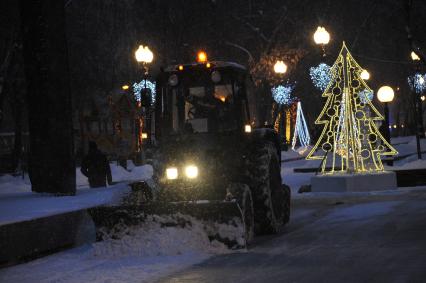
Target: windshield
point(202, 109)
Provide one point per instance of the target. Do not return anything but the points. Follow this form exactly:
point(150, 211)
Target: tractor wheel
point(286, 203)
point(264, 172)
point(241, 193)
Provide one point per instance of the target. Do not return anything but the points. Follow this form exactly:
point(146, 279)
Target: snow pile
point(10, 184)
point(153, 238)
point(144, 256)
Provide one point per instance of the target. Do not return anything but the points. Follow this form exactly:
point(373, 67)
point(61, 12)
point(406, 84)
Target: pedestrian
point(95, 167)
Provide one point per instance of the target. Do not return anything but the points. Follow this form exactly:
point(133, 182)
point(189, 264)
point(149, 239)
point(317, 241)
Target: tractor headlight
point(171, 173)
point(191, 171)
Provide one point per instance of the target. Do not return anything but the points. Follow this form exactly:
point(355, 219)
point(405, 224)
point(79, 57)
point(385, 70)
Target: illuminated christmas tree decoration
point(300, 129)
point(417, 82)
point(320, 76)
point(138, 87)
point(350, 140)
point(282, 94)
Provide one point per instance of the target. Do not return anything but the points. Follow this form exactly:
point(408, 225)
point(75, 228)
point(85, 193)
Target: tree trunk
point(17, 113)
point(51, 154)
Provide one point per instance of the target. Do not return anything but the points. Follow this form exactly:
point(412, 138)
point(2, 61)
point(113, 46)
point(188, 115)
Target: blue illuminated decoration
point(366, 95)
point(282, 94)
point(417, 82)
point(301, 129)
point(138, 87)
point(320, 76)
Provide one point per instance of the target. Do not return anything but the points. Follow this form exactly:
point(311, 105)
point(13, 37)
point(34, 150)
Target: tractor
point(213, 160)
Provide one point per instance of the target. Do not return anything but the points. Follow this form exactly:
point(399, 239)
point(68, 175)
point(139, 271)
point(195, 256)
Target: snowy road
point(332, 240)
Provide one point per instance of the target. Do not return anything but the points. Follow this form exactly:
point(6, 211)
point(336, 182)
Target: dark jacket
point(95, 166)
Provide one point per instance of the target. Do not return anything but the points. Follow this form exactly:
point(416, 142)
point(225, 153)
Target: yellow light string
point(287, 126)
point(350, 133)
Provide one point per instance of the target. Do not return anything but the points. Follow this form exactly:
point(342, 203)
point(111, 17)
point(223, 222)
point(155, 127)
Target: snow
point(364, 211)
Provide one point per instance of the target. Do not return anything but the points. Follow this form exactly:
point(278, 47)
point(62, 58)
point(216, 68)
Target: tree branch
point(253, 28)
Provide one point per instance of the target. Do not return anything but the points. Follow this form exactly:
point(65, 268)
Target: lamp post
point(386, 95)
point(144, 56)
point(281, 114)
point(322, 37)
point(418, 84)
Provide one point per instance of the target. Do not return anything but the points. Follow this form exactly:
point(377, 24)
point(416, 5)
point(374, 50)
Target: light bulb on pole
point(280, 67)
point(322, 37)
point(144, 55)
point(414, 56)
point(386, 95)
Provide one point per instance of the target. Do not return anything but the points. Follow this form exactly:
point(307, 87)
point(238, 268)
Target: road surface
point(371, 239)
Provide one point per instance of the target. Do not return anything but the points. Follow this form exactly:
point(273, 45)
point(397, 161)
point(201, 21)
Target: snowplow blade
point(221, 220)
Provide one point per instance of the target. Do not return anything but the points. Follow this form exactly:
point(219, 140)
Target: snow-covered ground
point(141, 256)
point(18, 203)
point(152, 252)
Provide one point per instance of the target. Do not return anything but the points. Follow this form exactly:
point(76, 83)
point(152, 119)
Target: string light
point(350, 139)
point(417, 82)
point(300, 129)
point(320, 76)
point(138, 87)
point(282, 94)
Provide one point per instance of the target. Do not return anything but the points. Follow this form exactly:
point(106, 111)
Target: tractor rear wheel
point(264, 172)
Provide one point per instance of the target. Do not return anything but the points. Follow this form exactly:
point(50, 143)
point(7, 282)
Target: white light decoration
point(417, 82)
point(320, 76)
point(385, 94)
point(144, 54)
point(138, 87)
point(365, 75)
point(282, 94)
point(366, 95)
point(300, 129)
point(321, 36)
point(280, 67)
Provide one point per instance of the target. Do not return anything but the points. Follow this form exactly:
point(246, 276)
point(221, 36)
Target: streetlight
point(386, 95)
point(280, 67)
point(414, 56)
point(322, 37)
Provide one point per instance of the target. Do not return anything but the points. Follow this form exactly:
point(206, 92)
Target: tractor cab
point(203, 98)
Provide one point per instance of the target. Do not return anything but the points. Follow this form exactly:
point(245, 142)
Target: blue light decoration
point(366, 96)
point(320, 76)
point(417, 82)
point(301, 129)
point(138, 87)
point(282, 94)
